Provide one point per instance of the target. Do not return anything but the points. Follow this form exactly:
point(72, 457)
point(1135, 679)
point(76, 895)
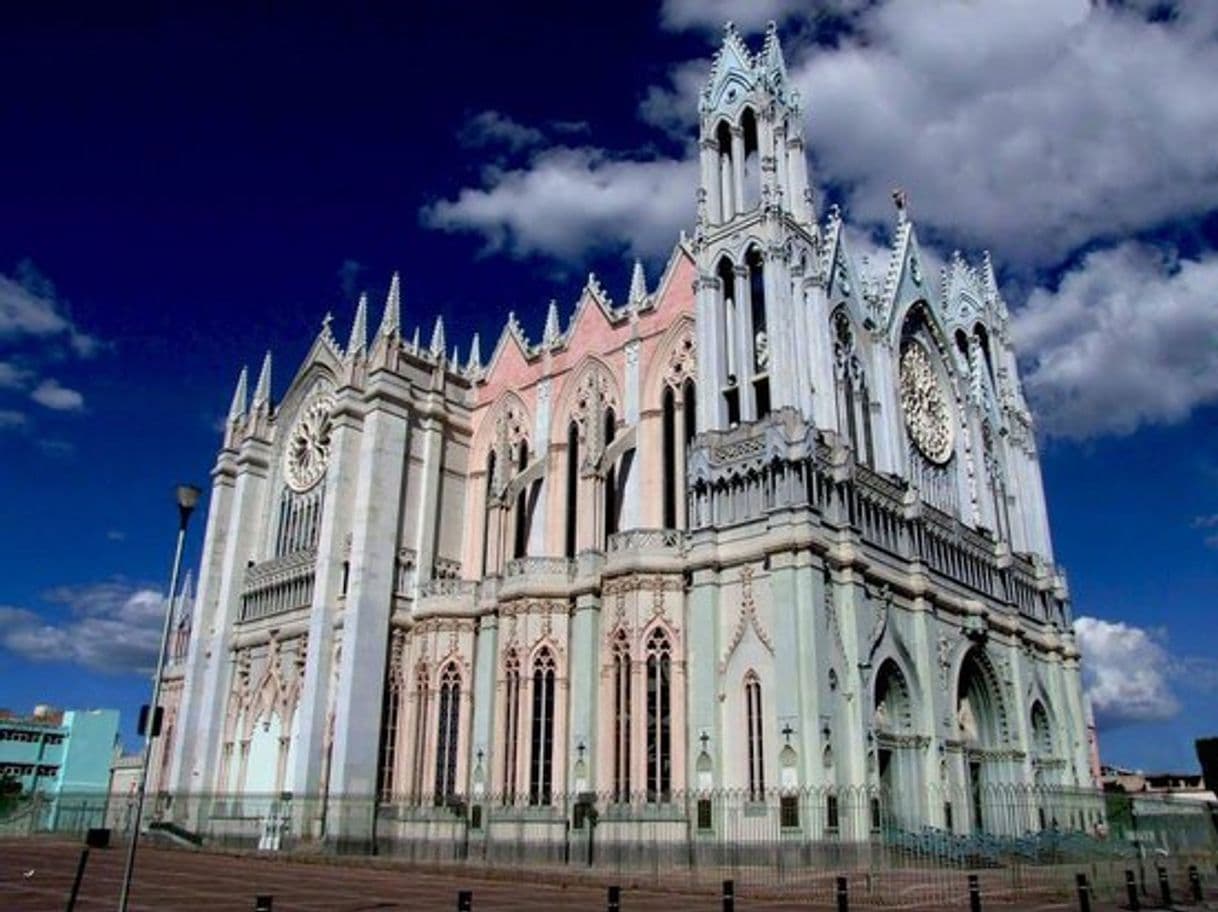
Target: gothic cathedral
point(769, 537)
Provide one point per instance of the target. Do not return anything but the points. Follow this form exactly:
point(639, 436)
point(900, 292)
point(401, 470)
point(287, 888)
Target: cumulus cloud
point(1129, 337)
point(570, 202)
point(12, 376)
point(112, 627)
point(1125, 672)
point(53, 395)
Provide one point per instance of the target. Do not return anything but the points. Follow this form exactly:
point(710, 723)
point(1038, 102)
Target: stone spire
point(262, 391)
point(240, 397)
point(638, 284)
point(359, 328)
point(391, 322)
point(474, 365)
point(185, 600)
point(414, 342)
point(437, 338)
point(549, 336)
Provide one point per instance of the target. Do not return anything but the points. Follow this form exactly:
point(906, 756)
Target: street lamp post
point(188, 499)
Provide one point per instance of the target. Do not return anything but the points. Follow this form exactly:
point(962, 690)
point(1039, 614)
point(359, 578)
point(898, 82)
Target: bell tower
point(755, 237)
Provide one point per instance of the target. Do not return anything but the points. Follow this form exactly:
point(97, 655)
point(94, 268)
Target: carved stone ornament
point(308, 448)
point(925, 404)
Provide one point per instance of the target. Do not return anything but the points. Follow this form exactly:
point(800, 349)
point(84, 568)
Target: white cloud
point(1129, 337)
point(28, 308)
point(493, 128)
point(110, 627)
point(10, 418)
point(1125, 673)
point(12, 376)
point(53, 395)
point(1030, 126)
point(569, 202)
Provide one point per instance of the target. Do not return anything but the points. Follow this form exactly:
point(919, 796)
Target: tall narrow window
point(511, 725)
point(486, 513)
point(389, 738)
point(522, 506)
point(670, 460)
point(610, 479)
point(572, 488)
point(422, 696)
point(621, 717)
point(689, 400)
point(541, 767)
point(752, 705)
point(726, 274)
point(446, 733)
point(659, 718)
point(751, 169)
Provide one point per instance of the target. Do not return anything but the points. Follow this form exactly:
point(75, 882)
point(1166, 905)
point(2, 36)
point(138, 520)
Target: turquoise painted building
point(59, 753)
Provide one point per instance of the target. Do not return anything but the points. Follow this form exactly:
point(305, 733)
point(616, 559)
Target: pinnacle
point(262, 391)
point(475, 356)
point(391, 322)
point(638, 283)
point(551, 333)
point(240, 396)
point(359, 327)
point(437, 338)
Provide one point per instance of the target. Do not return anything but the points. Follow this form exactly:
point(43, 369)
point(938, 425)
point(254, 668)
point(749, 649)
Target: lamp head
point(188, 499)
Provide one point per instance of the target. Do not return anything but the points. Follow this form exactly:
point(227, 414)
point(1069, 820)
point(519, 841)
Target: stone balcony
point(278, 585)
point(646, 550)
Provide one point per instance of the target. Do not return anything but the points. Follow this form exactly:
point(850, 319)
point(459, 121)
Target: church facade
point(772, 525)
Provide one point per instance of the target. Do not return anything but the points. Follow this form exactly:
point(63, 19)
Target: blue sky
point(182, 190)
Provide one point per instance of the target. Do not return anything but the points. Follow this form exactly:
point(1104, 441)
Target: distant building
point(55, 752)
point(124, 783)
point(62, 760)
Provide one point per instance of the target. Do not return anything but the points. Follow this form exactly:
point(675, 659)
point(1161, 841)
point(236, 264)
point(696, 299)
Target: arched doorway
point(897, 762)
point(982, 725)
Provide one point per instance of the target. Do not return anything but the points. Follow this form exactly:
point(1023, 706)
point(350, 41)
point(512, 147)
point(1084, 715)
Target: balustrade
point(282, 584)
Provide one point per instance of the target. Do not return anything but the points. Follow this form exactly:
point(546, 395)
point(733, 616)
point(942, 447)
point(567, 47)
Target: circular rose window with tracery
point(308, 447)
point(925, 404)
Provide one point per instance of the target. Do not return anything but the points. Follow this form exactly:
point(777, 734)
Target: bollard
point(1131, 891)
point(1084, 894)
point(974, 893)
point(465, 900)
point(614, 901)
point(843, 895)
point(729, 896)
point(263, 902)
point(1164, 888)
point(1194, 883)
point(80, 873)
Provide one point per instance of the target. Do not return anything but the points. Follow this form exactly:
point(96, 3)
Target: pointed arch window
point(756, 747)
point(621, 716)
point(541, 767)
point(511, 724)
point(760, 355)
point(659, 717)
point(611, 499)
point(487, 514)
point(750, 167)
point(389, 738)
point(572, 530)
point(422, 699)
point(853, 399)
point(670, 459)
point(446, 733)
point(723, 141)
point(522, 505)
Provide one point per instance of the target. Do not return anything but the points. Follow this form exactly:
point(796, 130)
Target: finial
point(326, 321)
point(549, 335)
point(391, 322)
point(240, 397)
point(262, 391)
point(437, 338)
point(901, 201)
point(414, 341)
point(359, 328)
point(638, 284)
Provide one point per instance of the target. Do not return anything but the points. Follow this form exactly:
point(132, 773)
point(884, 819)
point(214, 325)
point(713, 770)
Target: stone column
point(712, 352)
point(744, 343)
point(482, 737)
point(583, 673)
point(631, 508)
point(701, 672)
point(327, 589)
point(430, 428)
point(378, 490)
point(738, 168)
